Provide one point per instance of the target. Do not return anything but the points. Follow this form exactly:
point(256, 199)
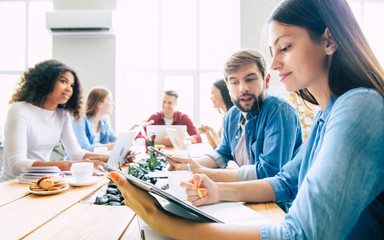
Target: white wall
point(253, 32)
point(92, 57)
point(95, 59)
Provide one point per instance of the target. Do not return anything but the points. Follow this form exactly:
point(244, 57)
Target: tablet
point(182, 208)
point(162, 136)
point(121, 148)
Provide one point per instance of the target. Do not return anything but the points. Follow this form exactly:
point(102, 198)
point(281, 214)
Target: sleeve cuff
point(220, 161)
point(273, 231)
point(276, 187)
point(247, 173)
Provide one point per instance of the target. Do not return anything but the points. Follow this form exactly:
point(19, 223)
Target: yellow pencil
point(198, 188)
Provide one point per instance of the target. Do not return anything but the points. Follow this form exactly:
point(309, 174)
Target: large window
point(24, 41)
point(369, 14)
point(174, 44)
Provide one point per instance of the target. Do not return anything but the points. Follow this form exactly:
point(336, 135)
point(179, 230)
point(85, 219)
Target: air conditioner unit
point(80, 22)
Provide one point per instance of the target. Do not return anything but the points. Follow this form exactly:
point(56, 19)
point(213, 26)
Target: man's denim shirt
point(273, 137)
point(337, 178)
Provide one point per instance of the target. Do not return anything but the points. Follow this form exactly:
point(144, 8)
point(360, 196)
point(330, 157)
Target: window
point(173, 44)
point(369, 14)
point(24, 42)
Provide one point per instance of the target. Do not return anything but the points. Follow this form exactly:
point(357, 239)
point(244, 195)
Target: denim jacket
point(272, 137)
point(85, 133)
point(337, 178)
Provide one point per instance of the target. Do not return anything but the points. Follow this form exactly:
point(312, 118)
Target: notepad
point(228, 212)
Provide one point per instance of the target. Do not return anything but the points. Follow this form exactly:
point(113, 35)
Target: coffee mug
point(174, 180)
point(82, 171)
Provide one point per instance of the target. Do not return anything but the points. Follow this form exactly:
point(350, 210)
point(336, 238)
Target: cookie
point(46, 184)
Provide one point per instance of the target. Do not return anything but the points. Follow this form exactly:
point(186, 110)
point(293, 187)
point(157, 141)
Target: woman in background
point(336, 179)
point(222, 102)
point(94, 129)
point(40, 116)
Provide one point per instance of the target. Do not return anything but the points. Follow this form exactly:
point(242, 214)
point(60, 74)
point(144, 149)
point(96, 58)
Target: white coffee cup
point(82, 171)
point(174, 180)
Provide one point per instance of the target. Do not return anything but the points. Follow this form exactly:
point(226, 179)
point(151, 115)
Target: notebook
point(29, 174)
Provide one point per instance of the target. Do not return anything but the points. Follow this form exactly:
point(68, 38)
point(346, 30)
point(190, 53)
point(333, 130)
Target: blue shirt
point(85, 133)
point(272, 137)
point(337, 178)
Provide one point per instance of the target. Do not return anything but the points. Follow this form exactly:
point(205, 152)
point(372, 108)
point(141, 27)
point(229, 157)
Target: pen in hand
point(198, 188)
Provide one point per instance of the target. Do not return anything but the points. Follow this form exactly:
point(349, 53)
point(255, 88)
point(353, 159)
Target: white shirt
point(168, 121)
point(241, 150)
point(31, 133)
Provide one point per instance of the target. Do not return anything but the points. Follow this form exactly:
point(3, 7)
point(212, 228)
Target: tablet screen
point(190, 210)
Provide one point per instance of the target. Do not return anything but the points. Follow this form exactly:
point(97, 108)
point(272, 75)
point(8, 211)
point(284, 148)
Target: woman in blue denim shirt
point(337, 178)
point(94, 130)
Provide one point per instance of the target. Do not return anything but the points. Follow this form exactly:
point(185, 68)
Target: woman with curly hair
point(40, 116)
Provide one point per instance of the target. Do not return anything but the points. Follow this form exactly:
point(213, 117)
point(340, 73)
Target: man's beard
point(257, 102)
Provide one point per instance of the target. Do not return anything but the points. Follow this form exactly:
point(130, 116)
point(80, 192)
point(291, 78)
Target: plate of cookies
point(48, 185)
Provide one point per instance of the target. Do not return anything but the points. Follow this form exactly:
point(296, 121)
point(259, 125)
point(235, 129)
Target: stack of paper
point(29, 174)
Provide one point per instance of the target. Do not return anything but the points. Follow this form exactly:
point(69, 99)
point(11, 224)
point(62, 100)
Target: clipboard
point(178, 207)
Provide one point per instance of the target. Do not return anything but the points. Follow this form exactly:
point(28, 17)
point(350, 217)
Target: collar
point(325, 113)
point(176, 116)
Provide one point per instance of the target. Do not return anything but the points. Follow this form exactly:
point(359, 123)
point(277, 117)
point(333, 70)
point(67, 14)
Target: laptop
point(120, 149)
point(162, 136)
point(176, 138)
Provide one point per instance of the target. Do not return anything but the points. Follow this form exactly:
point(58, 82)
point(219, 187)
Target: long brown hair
point(353, 64)
point(96, 95)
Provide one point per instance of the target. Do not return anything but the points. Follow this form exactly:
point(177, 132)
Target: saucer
point(49, 192)
point(71, 181)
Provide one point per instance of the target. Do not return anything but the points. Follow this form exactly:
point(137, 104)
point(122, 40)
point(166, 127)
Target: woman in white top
point(40, 116)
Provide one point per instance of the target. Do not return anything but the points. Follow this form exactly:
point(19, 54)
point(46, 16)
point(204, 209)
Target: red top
point(179, 118)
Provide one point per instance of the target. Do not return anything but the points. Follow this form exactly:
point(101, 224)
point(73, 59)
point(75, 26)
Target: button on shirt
point(337, 178)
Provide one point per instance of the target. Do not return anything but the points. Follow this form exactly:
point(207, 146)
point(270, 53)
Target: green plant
point(152, 161)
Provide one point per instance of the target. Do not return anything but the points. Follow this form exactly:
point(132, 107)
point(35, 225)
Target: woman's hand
point(208, 189)
point(96, 157)
point(203, 129)
point(129, 157)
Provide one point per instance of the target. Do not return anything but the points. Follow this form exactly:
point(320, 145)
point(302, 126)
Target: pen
point(198, 188)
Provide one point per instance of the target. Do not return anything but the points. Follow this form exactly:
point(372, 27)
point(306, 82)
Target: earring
point(331, 51)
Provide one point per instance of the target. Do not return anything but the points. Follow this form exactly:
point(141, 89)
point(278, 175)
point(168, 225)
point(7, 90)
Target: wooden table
point(66, 216)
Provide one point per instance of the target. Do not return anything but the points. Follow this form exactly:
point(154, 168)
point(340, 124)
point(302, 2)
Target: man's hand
point(178, 163)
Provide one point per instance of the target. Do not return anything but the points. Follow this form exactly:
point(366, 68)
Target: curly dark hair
point(37, 82)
